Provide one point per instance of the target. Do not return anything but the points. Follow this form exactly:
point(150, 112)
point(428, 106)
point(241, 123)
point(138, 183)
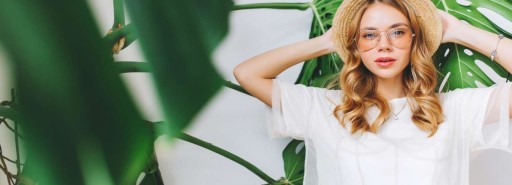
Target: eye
point(398, 33)
point(369, 36)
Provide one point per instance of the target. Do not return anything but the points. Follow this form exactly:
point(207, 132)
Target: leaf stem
point(4, 168)
point(132, 67)
point(235, 87)
point(9, 113)
point(296, 6)
point(446, 9)
point(3, 120)
point(127, 31)
point(227, 154)
point(17, 136)
point(118, 14)
point(135, 67)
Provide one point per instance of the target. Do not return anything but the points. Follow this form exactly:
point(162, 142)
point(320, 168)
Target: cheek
point(406, 57)
point(366, 58)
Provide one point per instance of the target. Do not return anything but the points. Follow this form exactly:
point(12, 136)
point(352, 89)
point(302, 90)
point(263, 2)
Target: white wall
point(232, 120)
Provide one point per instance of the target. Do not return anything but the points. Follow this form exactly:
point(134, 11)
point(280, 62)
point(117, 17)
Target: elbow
point(245, 74)
point(240, 73)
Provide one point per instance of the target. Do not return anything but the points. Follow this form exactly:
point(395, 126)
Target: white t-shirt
point(400, 153)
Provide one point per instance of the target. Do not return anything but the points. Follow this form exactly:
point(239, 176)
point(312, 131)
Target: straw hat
point(425, 11)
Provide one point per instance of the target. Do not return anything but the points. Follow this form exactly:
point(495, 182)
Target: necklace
point(395, 116)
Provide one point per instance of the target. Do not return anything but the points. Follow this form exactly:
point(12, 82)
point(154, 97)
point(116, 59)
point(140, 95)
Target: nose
point(384, 43)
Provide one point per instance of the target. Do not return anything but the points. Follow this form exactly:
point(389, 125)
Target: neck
point(390, 88)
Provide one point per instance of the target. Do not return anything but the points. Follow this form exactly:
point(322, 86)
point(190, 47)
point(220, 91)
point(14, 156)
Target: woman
point(386, 124)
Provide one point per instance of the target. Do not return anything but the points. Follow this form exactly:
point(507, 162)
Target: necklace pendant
point(395, 117)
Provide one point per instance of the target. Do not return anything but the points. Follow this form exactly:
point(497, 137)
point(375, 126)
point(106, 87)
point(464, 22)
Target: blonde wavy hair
point(359, 85)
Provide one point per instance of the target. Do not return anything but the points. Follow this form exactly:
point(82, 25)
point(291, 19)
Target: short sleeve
point(494, 131)
point(484, 112)
point(291, 106)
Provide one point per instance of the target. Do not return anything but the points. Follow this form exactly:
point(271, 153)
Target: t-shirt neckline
point(395, 100)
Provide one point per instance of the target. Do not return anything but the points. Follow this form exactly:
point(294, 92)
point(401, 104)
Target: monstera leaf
point(294, 157)
point(462, 67)
point(316, 71)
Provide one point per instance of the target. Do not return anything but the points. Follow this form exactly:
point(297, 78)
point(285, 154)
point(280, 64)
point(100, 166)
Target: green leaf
point(327, 65)
point(294, 156)
point(79, 122)
point(178, 38)
point(458, 64)
point(323, 80)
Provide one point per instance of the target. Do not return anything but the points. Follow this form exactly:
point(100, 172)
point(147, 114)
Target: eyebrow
point(392, 26)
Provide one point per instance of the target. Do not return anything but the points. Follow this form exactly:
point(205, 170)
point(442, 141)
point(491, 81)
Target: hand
point(451, 25)
point(327, 37)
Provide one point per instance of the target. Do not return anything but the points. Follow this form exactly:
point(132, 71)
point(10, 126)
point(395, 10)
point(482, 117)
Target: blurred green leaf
point(72, 101)
point(152, 175)
point(459, 64)
point(178, 38)
point(154, 178)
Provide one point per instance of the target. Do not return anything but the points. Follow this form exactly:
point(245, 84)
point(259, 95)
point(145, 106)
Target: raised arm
point(255, 74)
point(480, 40)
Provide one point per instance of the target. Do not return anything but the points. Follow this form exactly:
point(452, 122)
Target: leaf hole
point(446, 52)
point(328, 15)
point(299, 147)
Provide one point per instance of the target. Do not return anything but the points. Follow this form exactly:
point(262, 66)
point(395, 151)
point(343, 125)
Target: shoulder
point(466, 99)
point(466, 93)
point(318, 95)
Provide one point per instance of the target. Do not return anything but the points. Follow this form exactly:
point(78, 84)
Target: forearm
point(271, 63)
point(485, 42)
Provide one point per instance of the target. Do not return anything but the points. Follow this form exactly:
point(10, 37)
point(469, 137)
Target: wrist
point(461, 34)
point(327, 44)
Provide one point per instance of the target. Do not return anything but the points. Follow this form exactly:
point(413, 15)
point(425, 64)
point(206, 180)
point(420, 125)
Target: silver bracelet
point(495, 51)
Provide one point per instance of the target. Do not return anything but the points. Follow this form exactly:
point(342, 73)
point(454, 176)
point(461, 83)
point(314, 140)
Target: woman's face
point(388, 56)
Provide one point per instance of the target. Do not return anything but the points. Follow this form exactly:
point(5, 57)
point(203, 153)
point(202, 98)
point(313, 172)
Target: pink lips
point(385, 61)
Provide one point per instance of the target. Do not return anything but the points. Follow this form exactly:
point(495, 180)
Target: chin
point(386, 74)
